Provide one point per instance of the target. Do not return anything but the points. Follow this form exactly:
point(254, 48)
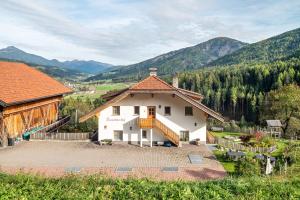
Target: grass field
point(229, 166)
point(100, 89)
point(96, 187)
point(111, 86)
point(91, 96)
point(222, 134)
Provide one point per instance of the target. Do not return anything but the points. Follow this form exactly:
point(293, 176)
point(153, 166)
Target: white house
point(153, 111)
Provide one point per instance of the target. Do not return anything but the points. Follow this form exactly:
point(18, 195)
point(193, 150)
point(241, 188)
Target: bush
point(258, 136)
point(267, 142)
point(245, 138)
point(247, 167)
point(84, 105)
point(96, 187)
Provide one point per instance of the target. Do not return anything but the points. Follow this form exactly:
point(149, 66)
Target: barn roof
point(21, 83)
point(274, 123)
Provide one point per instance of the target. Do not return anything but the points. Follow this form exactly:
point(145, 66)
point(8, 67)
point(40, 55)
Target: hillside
point(242, 89)
point(268, 50)
point(55, 72)
point(180, 60)
point(89, 67)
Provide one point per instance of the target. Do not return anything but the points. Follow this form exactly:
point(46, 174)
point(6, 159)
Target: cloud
point(123, 32)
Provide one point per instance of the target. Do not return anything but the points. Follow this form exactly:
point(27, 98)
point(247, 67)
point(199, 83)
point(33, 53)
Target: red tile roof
point(21, 83)
point(152, 83)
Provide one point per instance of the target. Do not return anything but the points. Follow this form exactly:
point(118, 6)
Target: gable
point(152, 83)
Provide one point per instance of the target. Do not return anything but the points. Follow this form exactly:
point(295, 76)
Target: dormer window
point(136, 110)
point(188, 111)
point(167, 110)
point(116, 110)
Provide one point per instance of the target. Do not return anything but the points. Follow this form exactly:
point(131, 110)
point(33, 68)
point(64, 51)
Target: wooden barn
point(29, 99)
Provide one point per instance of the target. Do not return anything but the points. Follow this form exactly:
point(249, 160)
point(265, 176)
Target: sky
point(122, 32)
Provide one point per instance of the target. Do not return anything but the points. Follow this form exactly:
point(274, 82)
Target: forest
point(240, 91)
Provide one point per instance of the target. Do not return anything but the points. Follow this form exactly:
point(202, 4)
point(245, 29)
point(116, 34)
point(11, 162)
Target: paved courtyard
point(56, 158)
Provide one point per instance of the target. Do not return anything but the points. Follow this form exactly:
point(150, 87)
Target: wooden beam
point(24, 119)
point(28, 106)
point(30, 117)
point(44, 118)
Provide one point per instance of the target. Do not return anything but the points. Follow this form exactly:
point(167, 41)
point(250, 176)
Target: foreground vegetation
point(96, 187)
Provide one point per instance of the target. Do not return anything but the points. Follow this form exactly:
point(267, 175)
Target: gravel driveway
point(48, 156)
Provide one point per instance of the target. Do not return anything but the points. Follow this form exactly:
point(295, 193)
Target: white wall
point(177, 121)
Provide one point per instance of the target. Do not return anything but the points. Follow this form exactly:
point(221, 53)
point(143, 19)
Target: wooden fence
point(240, 147)
point(60, 136)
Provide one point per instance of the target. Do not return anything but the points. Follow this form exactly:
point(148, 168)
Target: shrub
point(258, 136)
point(245, 138)
point(95, 187)
point(267, 141)
point(247, 167)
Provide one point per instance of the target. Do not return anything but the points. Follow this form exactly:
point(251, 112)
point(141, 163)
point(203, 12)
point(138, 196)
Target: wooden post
point(3, 135)
point(151, 137)
point(141, 138)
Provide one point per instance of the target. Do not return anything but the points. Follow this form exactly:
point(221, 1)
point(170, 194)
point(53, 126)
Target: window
point(167, 110)
point(136, 110)
point(118, 135)
point(116, 110)
point(184, 135)
point(144, 134)
point(188, 111)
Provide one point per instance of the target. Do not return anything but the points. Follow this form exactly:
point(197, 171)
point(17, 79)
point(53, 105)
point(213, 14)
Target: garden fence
point(240, 147)
point(60, 136)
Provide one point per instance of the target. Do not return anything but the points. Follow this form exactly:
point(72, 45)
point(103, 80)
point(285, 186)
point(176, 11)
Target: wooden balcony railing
point(146, 123)
point(154, 123)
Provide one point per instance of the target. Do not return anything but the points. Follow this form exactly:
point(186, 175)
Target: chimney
point(175, 80)
point(153, 71)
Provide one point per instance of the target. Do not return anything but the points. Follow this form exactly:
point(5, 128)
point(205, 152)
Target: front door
point(184, 135)
point(151, 111)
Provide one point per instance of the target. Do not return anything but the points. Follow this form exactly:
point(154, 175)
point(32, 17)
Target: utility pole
point(76, 117)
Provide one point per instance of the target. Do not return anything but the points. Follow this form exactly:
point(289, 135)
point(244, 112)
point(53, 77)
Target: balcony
point(146, 122)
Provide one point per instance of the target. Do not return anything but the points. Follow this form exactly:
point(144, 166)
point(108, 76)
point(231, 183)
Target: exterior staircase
point(210, 138)
point(155, 123)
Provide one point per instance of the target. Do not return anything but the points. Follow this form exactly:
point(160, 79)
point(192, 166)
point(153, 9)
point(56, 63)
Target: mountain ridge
point(267, 50)
point(188, 58)
point(89, 67)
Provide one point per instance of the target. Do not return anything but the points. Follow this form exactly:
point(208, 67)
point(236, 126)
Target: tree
point(284, 104)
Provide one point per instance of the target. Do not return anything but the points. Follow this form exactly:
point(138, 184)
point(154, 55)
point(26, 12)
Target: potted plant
point(197, 142)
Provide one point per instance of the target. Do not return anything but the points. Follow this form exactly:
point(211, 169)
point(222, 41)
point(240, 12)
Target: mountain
point(13, 53)
point(89, 67)
point(180, 60)
point(56, 72)
point(274, 48)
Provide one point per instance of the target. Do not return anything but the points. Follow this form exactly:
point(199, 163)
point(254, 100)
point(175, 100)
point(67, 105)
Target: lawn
point(99, 90)
point(111, 86)
point(97, 187)
point(280, 145)
point(229, 166)
point(81, 96)
point(222, 134)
